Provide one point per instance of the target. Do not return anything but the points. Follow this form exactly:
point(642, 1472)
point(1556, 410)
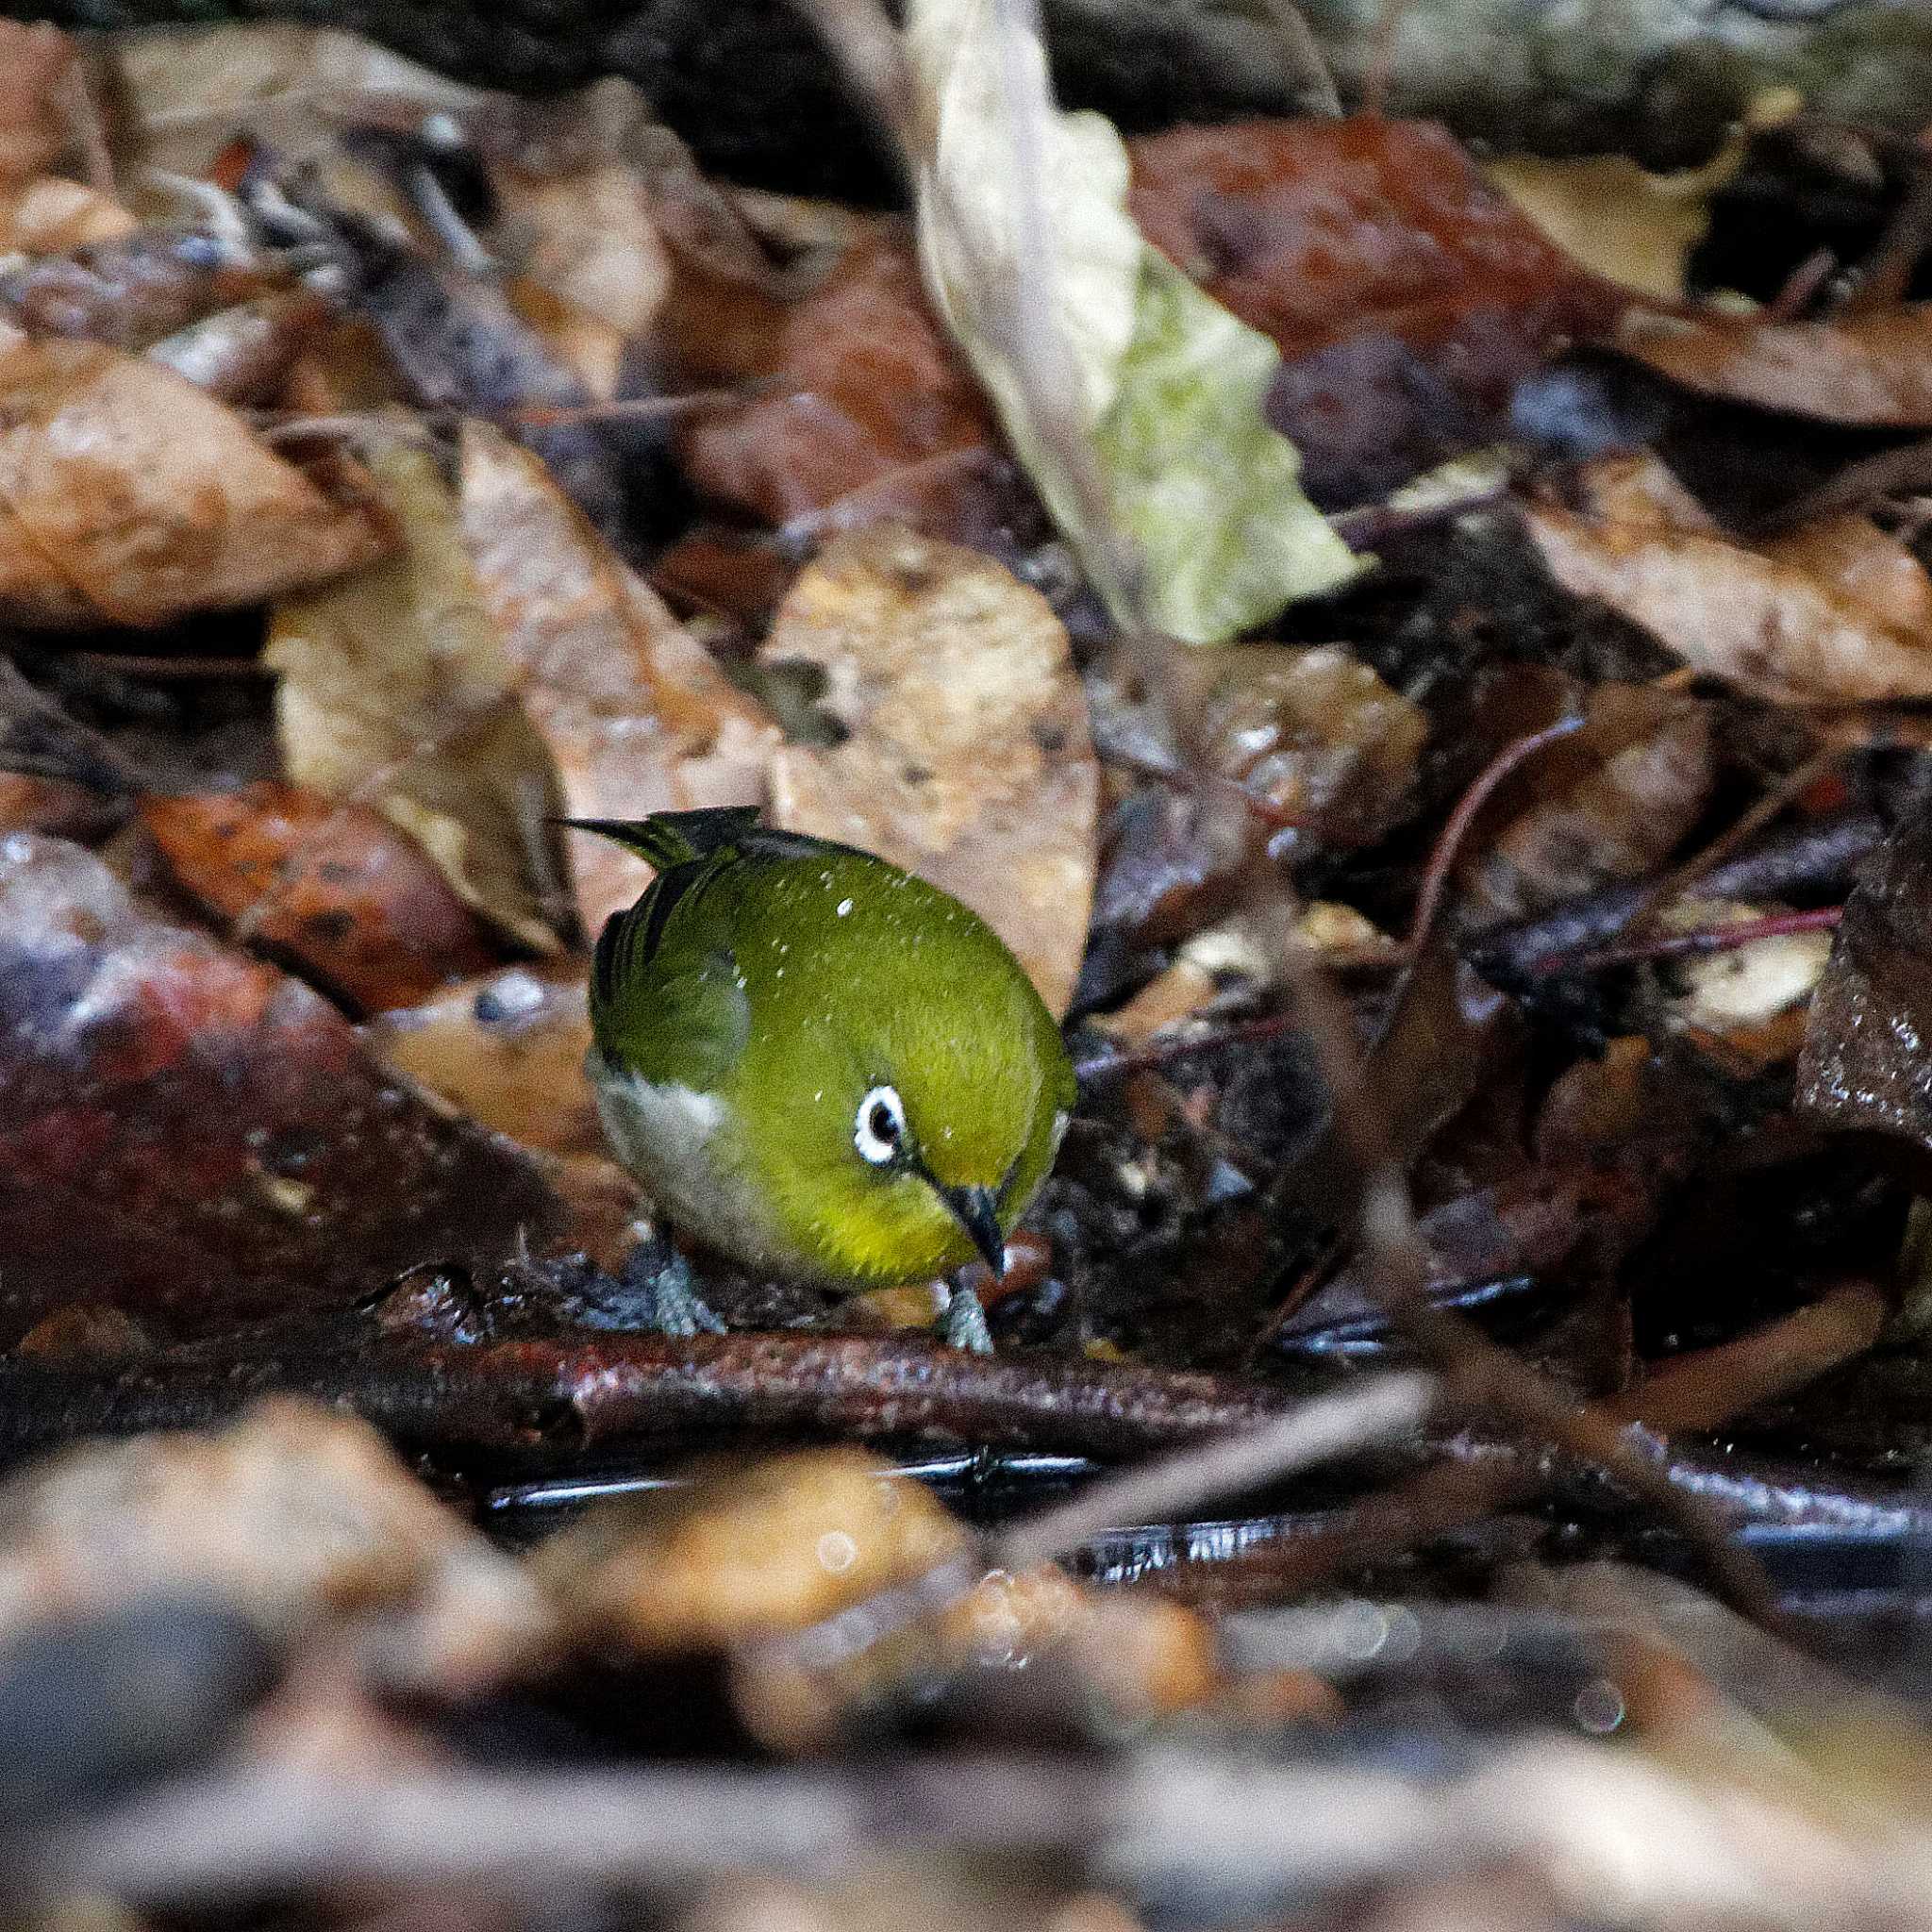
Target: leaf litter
point(1488, 1040)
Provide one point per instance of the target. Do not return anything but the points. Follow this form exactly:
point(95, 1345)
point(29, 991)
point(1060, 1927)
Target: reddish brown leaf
point(1406, 294)
point(359, 905)
point(865, 384)
point(200, 1139)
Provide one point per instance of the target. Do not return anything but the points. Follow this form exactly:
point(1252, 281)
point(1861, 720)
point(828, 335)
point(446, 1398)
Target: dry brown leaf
point(635, 715)
point(295, 1516)
point(184, 93)
point(508, 1050)
point(51, 215)
point(588, 238)
point(398, 690)
point(1875, 370)
point(128, 497)
point(1829, 616)
point(968, 759)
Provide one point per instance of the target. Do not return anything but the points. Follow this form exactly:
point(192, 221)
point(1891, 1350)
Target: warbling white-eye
point(817, 1064)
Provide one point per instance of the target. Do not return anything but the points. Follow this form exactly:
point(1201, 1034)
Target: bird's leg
point(959, 1320)
point(655, 1290)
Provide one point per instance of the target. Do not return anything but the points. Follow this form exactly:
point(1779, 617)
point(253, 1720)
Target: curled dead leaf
point(398, 690)
point(635, 714)
point(968, 759)
point(1871, 369)
point(128, 497)
point(1834, 615)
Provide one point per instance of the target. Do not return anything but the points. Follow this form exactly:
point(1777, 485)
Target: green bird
point(817, 1064)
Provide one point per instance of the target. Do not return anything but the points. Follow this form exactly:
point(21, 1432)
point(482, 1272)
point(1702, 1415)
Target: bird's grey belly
point(676, 1141)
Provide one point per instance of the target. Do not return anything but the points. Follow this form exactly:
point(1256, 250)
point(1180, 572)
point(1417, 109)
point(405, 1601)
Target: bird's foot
point(654, 1291)
point(959, 1321)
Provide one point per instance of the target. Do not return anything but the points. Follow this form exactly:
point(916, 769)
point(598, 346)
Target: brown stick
point(558, 1396)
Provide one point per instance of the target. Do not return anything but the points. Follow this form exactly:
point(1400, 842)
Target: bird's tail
point(674, 838)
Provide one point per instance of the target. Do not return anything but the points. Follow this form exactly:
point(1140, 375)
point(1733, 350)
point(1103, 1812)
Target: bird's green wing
point(666, 1000)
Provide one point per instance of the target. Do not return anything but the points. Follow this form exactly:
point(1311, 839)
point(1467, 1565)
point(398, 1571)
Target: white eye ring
point(879, 1130)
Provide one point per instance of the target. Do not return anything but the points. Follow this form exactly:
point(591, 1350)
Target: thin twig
point(1448, 845)
point(1374, 1412)
point(1677, 945)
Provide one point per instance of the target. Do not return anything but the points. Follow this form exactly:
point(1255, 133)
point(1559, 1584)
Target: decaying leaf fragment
point(398, 690)
point(968, 759)
point(508, 1049)
point(128, 497)
point(189, 1135)
point(1834, 615)
point(635, 715)
point(1611, 803)
point(1134, 400)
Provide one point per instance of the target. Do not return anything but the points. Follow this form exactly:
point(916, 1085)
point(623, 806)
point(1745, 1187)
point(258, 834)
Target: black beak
point(979, 1216)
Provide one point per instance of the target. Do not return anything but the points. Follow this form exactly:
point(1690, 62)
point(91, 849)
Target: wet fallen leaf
point(508, 1050)
point(355, 903)
point(1834, 615)
point(129, 497)
point(1317, 738)
point(1134, 400)
point(1407, 295)
point(398, 690)
point(968, 759)
point(1864, 1063)
point(1871, 369)
point(189, 1135)
point(636, 716)
point(295, 1517)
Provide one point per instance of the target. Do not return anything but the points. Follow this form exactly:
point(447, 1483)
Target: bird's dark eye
point(879, 1130)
